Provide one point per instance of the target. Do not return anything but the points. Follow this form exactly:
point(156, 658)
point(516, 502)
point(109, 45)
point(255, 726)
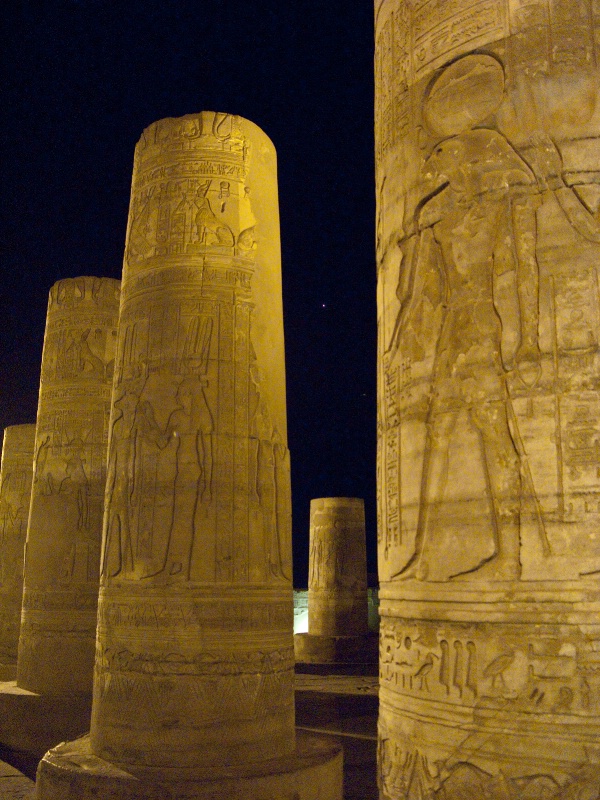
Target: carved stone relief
point(337, 581)
point(15, 494)
point(197, 520)
point(489, 322)
point(65, 522)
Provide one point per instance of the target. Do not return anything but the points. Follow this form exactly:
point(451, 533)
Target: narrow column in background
point(194, 677)
point(488, 243)
point(337, 585)
point(56, 647)
point(15, 494)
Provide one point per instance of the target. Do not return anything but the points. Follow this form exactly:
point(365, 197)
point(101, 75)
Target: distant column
point(56, 647)
point(337, 585)
point(194, 677)
point(337, 580)
point(15, 494)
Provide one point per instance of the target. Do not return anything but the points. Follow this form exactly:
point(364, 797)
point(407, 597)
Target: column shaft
point(337, 588)
point(60, 596)
point(488, 244)
point(15, 494)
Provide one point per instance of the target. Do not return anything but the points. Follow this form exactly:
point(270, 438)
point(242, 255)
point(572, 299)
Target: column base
point(72, 772)
point(312, 649)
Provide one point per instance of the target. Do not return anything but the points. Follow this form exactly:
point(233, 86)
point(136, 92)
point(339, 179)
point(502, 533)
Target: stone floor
point(13, 784)
point(345, 707)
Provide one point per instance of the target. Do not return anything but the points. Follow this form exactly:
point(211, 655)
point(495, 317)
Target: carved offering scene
point(488, 245)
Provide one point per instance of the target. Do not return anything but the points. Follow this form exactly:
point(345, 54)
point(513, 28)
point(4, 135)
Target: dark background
point(80, 81)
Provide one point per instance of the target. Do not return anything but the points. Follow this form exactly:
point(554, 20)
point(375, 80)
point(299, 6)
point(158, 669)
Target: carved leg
point(433, 484)
point(503, 478)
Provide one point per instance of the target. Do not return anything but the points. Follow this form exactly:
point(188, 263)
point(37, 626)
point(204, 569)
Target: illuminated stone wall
point(56, 647)
point(15, 494)
point(488, 244)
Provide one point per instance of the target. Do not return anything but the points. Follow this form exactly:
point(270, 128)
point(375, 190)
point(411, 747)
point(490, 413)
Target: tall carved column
point(337, 585)
point(60, 595)
point(15, 494)
point(488, 241)
point(194, 676)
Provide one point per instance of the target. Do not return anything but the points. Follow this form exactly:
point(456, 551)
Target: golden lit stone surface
point(15, 494)
point(194, 675)
point(195, 614)
point(60, 595)
point(337, 574)
point(338, 629)
point(488, 244)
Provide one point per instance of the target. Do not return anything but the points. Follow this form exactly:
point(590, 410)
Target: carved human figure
point(76, 484)
point(136, 442)
point(474, 220)
point(8, 518)
point(488, 196)
point(118, 550)
point(191, 427)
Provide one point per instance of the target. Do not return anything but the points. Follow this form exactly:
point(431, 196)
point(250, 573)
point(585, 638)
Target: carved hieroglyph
point(60, 595)
point(488, 242)
point(194, 661)
point(15, 494)
point(337, 572)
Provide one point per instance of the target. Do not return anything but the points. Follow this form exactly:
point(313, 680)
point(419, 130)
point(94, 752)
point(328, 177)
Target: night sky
point(81, 79)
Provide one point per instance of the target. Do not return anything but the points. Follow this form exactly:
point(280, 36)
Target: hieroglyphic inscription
point(488, 231)
point(212, 615)
point(573, 39)
point(415, 38)
point(203, 663)
point(446, 28)
point(197, 490)
point(393, 73)
point(458, 665)
point(65, 522)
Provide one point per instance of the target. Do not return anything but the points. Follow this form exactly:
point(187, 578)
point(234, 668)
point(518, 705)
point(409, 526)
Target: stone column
point(488, 242)
point(60, 595)
point(337, 579)
point(194, 677)
point(337, 584)
point(15, 494)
